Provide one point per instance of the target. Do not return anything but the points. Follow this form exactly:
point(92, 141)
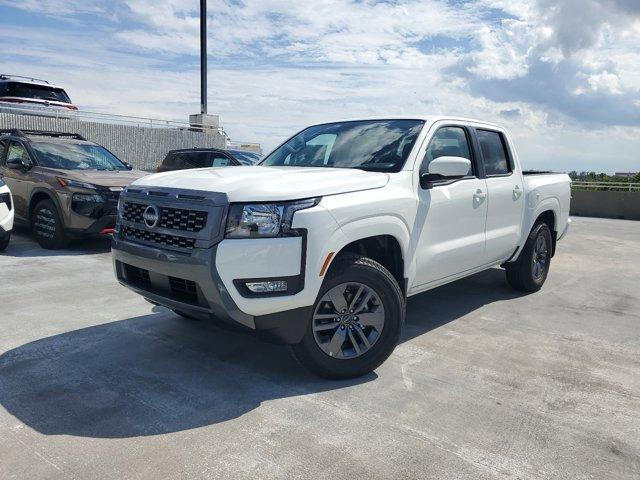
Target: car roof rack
point(45, 133)
point(5, 76)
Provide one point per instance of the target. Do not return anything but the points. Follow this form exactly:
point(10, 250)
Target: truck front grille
point(138, 276)
point(174, 218)
point(176, 241)
point(184, 290)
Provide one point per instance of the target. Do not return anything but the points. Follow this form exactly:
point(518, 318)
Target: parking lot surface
point(96, 383)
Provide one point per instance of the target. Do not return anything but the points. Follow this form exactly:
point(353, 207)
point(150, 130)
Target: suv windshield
point(28, 90)
point(76, 156)
point(375, 145)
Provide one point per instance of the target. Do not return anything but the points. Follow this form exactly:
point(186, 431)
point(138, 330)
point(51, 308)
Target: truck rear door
point(505, 195)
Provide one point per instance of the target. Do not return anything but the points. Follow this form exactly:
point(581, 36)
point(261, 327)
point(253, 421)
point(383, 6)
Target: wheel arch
point(37, 196)
point(386, 242)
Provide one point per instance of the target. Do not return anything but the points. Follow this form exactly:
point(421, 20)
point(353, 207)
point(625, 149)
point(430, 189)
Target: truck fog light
point(268, 286)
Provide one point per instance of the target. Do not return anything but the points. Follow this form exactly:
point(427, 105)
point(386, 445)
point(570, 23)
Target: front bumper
point(191, 284)
point(174, 262)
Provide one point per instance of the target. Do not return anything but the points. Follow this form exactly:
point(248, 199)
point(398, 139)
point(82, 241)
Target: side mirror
point(128, 165)
point(17, 164)
point(445, 168)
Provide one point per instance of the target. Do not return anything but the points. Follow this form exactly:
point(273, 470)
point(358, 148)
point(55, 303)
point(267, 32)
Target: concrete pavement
point(95, 383)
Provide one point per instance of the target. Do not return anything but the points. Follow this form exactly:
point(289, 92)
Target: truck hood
point(102, 178)
point(261, 184)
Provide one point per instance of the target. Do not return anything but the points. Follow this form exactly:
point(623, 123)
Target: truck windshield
point(374, 145)
point(76, 156)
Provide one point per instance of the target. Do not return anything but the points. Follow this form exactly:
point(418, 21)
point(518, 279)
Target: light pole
point(203, 56)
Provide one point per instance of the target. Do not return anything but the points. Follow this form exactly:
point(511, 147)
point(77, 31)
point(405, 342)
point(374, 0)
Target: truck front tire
point(529, 272)
point(356, 320)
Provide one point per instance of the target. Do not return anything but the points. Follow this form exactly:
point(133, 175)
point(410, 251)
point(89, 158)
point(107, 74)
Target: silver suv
point(26, 95)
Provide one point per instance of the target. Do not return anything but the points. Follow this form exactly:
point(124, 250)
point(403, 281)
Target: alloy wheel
point(348, 320)
point(540, 257)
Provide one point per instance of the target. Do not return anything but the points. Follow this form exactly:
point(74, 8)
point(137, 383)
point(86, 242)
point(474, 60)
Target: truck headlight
point(264, 220)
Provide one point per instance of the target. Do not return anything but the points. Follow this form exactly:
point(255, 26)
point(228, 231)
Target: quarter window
point(494, 154)
point(447, 142)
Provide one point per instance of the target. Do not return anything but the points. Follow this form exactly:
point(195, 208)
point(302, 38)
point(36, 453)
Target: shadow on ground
point(23, 245)
point(159, 373)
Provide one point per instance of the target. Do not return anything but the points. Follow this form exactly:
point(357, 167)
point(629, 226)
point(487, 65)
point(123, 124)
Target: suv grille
point(177, 241)
point(173, 218)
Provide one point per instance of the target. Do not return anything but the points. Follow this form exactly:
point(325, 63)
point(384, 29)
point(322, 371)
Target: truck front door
point(451, 217)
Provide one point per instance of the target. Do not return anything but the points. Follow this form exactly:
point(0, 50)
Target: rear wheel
point(47, 226)
point(529, 272)
point(356, 321)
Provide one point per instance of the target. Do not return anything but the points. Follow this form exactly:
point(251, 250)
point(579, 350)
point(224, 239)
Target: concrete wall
point(605, 204)
point(142, 147)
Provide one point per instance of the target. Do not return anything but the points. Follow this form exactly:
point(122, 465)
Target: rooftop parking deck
point(487, 382)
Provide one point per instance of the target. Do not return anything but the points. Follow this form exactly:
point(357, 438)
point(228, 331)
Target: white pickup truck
point(319, 245)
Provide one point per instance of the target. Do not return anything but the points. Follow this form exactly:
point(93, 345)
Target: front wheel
point(529, 272)
point(47, 226)
point(356, 322)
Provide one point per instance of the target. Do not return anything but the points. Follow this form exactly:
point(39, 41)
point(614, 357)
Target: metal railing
point(62, 113)
point(618, 186)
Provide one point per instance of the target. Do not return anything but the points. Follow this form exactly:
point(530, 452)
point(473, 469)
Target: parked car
point(6, 215)
point(320, 245)
point(63, 185)
point(206, 157)
point(39, 96)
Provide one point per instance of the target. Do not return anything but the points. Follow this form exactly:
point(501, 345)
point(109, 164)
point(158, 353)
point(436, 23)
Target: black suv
point(206, 157)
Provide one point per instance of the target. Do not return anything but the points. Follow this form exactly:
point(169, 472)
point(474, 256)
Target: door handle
point(516, 192)
point(479, 195)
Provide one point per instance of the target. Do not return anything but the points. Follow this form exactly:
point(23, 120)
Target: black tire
point(524, 274)
point(365, 272)
point(4, 243)
point(47, 226)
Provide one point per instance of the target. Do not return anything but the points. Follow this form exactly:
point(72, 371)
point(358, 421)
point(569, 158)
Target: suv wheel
point(529, 272)
point(356, 322)
point(47, 226)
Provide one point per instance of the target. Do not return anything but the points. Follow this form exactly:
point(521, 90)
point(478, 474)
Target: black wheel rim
point(540, 257)
point(44, 223)
point(348, 320)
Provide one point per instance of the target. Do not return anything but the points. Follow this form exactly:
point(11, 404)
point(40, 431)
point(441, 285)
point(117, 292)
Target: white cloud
point(276, 66)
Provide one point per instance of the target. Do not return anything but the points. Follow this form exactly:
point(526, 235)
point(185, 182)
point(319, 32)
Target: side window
point(219, 161)
point(494, 154)
point(17, 153)
point(3, 144)
point(447, 142)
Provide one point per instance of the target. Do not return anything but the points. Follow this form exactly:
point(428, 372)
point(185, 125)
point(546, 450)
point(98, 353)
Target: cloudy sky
point(563, 75)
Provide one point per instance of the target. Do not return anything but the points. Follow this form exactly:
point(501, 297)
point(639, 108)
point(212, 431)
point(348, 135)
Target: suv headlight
point(67, 182)
point(264, 220)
